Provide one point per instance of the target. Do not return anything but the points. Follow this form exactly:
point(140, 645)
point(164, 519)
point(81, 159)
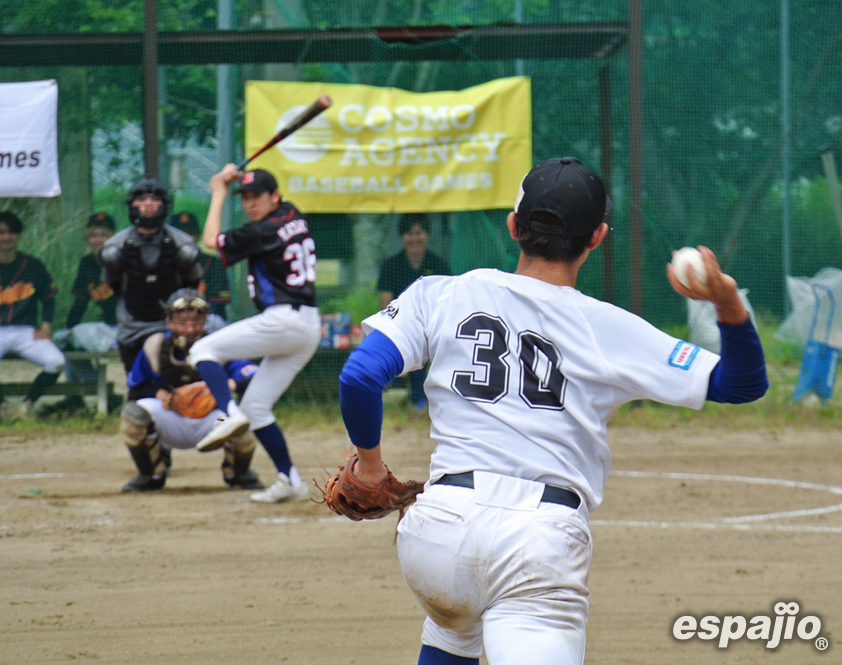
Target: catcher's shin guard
point(236, 471)
point(135, 429)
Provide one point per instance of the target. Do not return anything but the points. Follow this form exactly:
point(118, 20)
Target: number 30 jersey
point(524, 375)
point(281, 258)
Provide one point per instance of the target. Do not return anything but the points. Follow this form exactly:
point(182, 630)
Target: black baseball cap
point(257, 180)
point(102, 219)
point(567, 190)
point(186, 221)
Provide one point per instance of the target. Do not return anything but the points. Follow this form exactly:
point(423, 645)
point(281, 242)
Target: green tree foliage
point(713, 133)
point(712, 136)
point(116, 93)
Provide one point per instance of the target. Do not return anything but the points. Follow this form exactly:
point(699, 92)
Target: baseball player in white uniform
point(285, 332)
point(525, 372)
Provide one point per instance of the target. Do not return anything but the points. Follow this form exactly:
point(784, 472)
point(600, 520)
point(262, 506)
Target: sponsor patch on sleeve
point(683, 355)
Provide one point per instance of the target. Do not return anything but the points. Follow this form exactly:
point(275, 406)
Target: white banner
point(29, 139)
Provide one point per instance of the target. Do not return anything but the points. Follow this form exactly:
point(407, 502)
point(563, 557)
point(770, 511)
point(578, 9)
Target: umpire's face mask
point(147, 211)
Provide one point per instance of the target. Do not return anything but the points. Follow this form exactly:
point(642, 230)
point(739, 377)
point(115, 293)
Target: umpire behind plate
point(525, 373)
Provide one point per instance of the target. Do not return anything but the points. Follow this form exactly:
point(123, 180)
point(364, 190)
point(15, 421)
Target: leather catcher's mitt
point(347, 495)
point(193, 400)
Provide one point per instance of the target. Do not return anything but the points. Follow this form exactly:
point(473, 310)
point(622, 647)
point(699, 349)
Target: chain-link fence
point(736, 102)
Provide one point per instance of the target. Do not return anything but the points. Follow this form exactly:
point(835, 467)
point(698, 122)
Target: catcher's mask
point(188, 331)
point(148, 185)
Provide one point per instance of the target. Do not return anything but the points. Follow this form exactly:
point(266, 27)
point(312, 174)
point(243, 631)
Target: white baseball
point(689, 256)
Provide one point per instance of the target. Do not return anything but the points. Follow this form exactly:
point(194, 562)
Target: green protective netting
point(715, 148)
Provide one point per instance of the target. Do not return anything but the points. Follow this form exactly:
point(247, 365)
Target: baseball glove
point(193, 400)
point(347, 495)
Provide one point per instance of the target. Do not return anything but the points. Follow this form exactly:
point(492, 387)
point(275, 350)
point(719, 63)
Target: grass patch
point(321, 415)
point(775, 410)
point(53, 426)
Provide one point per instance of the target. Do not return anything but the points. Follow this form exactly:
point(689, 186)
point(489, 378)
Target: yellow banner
point(387, 150)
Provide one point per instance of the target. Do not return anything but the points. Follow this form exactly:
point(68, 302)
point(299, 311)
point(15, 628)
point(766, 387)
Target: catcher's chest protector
point(175, 372)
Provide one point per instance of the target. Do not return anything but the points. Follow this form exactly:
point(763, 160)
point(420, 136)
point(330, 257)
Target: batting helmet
point(148, 185)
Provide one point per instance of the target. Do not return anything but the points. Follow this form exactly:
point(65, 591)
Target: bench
point(103, 389)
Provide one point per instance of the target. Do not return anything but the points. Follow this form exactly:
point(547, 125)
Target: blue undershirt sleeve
point(368, 369)
point(740, 375)
point(142, 381)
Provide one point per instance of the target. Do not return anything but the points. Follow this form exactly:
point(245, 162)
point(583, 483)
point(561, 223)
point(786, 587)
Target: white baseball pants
point(285, 338)
point(175, 430)
point(493, 567)
point(41, 352)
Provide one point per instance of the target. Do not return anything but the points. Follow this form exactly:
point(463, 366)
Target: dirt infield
point(714, 524)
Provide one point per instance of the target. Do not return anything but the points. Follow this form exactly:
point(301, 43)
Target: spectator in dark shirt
point(25, 288)
point(88, 287)
point(400, 270)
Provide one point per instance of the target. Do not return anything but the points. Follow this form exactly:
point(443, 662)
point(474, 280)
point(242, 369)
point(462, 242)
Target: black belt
point(551, 494)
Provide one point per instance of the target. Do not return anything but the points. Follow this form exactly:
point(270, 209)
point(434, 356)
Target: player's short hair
point(559, 205)
point(12, 221)
point(410, 220)
point(550, 247)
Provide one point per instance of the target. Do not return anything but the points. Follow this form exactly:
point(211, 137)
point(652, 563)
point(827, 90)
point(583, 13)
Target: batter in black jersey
point(281, 257)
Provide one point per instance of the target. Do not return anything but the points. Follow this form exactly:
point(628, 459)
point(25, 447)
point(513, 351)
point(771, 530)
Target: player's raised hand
point(222, 180)
point(719, 288)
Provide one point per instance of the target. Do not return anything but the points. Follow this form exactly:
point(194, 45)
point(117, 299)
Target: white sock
point(294, 477)
point(233, 408)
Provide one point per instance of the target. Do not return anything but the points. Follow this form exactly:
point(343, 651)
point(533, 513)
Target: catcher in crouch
point(170, 407)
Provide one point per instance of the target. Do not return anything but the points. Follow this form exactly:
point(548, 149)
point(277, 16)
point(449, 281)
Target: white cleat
point(224, 429)
point(282, 490)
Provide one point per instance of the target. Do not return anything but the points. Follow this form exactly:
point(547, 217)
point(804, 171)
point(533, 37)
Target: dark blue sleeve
point(368, 369)
point(740, 374)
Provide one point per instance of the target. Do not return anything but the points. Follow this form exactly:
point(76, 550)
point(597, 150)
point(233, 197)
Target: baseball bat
point(294, 125)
